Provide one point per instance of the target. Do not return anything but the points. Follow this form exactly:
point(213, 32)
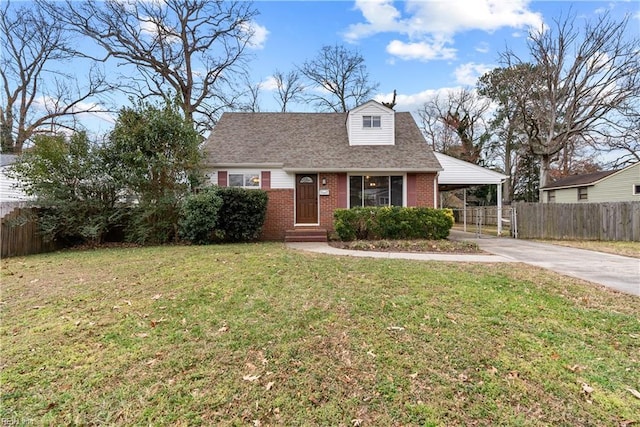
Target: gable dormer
point(371, 124)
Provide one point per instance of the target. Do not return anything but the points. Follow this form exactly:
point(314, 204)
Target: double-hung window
point(583, 194)
point(375, 191)
point(551, 196)
point(370, 121)
point(244, 180)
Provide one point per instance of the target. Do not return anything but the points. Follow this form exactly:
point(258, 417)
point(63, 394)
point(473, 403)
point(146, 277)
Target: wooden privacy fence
point(579, 221)
point(19, 234)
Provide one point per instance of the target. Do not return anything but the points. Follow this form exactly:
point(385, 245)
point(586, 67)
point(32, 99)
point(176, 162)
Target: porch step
point(306, 235)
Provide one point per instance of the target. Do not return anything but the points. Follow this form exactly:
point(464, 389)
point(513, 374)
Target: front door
point(306, 199)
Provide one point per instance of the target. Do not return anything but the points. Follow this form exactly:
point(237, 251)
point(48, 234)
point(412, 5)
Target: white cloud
point(412, 102)
point(467, 74)
point(257, 34)
point(422, 51)
point(269, 84)
point(431, 25)
point(153, 28)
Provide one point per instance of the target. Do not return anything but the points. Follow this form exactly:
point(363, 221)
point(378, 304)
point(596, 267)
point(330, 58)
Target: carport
point(458, 174)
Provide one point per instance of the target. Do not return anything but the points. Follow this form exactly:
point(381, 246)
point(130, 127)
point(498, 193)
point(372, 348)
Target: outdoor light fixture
point(324, 181)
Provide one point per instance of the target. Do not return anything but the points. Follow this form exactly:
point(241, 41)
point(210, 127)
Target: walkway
point(614, 271)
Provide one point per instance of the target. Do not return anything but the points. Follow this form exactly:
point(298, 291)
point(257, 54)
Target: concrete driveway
point(614, 271)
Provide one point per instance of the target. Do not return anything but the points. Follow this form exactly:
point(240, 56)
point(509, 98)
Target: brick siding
point(280, 211)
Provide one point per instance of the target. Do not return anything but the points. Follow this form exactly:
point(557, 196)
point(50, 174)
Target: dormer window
point(370, 121)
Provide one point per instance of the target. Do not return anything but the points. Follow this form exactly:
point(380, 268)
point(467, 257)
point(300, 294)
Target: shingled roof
point(579, 180)
point(313, 142)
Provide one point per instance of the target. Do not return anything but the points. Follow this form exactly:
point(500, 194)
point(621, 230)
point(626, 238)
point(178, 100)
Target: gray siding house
point(607, 186)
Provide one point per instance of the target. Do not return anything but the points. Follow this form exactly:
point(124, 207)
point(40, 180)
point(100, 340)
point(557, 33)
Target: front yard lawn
point(260, 335)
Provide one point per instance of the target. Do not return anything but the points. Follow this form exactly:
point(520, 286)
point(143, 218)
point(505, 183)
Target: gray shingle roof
point(314, 142)
point(579, 180)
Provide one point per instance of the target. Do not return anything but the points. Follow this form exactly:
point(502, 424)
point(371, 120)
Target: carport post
point(499, 208)
point(464, 208)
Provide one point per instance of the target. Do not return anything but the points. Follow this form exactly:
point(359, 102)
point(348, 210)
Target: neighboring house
point(607, 186)
point(11, 195)
point(313, 163)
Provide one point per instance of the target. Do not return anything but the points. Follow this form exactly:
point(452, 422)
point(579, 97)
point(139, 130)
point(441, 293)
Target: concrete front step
point(306, 235)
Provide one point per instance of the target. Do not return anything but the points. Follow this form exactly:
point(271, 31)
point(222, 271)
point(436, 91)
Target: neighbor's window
point(551, 196)
point(582, 193)
point(636, 189)
point(370, 121)
point(375, 191)
point(244, 180)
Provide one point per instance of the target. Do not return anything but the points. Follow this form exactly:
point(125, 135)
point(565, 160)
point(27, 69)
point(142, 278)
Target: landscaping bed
point(432, 246)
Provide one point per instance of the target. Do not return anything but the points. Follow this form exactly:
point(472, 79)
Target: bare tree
point(580, 77)
point(251, 94)
point(38, 95)
point(623, 138)
point(340, 78)
point(463, 114)
point(289, 88)
point(187, 51)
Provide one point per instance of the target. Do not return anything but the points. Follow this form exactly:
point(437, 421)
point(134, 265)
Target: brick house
point(313, 163)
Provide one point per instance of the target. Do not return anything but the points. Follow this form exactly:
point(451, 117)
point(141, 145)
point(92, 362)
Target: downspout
point(435, 191)
point(499, 188)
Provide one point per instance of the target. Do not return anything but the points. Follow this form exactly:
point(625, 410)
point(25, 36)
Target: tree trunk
point(545, 166)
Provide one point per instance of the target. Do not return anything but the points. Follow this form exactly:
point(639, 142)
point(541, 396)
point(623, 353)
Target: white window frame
point(551, 196)
point(586, 194)
point(364, 175)
point(370, 121)
point(247, 177)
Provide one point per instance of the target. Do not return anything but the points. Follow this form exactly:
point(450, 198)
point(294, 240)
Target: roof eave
point(244, 165)
point(360, 169)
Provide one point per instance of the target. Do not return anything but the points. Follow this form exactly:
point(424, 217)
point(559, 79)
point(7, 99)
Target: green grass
point(262, 335)
point(631, 249)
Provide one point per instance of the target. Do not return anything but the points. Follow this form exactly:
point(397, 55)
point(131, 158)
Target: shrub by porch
point(394, 222)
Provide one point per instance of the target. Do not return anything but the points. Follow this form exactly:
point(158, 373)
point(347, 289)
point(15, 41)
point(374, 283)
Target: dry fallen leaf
point(356, 422)
point(586, 388)
point(142, 335)
point(513, 375)
point(157, 296)
point(269, 385)
point(636, 393)
point(575, 368)
point(225, 328)
point(395, 328)
point(371, 353)
point(492, 370)
point(413, 376)
point(251, 378)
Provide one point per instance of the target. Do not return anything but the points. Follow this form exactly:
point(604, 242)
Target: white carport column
point(499, 186)
point(464, 207)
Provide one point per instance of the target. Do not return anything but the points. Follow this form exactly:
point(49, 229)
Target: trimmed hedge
point(226, 214)
point(241, 215)
point(395, 222)
point(199, 216)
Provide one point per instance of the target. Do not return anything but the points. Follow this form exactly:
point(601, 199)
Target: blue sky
point(418, 47)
